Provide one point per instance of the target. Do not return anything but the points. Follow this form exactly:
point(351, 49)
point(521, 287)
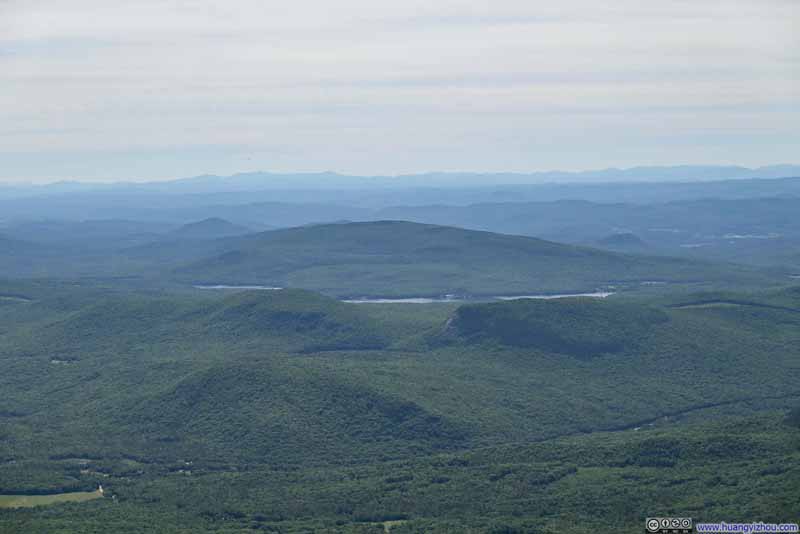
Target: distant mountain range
point(255, 181)
point(177, 203)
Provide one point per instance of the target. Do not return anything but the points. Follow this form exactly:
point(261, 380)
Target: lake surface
point(14, 298)
point(752, 236)
point(596, 294)
point(428, 300)
point(265, 288)
point(409, 300)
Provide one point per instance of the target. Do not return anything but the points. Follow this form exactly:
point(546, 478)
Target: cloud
point(377, 86)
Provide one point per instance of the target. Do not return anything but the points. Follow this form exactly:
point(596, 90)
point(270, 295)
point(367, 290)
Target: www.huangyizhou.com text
point(746, 528)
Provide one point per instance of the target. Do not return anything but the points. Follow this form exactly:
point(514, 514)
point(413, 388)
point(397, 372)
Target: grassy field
point(29, 501)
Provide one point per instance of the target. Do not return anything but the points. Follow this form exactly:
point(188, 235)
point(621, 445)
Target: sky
point(146, 90)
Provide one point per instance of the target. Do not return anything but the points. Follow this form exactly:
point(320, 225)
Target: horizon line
point(443, 173)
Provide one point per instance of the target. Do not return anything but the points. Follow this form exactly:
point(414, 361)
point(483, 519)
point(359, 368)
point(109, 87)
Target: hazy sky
point(98, 89)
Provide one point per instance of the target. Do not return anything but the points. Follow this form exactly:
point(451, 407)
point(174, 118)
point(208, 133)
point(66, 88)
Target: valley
point(390, 412)
point(391, 375)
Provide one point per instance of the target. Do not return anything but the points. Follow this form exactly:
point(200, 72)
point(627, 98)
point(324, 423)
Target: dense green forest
point(375, 259)
point(288, 411)
point(396, 258)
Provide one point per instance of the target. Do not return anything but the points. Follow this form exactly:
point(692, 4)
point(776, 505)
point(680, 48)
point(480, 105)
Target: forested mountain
point(201, 408)
point(383, 258)
point(402, 258)
point(211, 228)
point(217, 405)
point(626, 242)
point(259, 199)
point(761, 231)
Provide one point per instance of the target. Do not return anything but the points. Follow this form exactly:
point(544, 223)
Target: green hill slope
point(579, 327)
point(625, 242)
point(264, 411)
point(211, 228)
point(205, 412)
point(392, 258)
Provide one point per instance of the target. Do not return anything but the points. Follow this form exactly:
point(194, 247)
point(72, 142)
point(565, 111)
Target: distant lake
point(452, 298)
point(409, 300)
point(752, 236)
point(596, 294)
point(14, 298)
point(429, 300)
point(266, 288)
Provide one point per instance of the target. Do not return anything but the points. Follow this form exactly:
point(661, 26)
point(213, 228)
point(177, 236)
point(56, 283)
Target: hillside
point(758, 231)
point(626, 242)
point(395, 258)
point(794, 417)
point(10, 246)
point(25, 258)
point(211, 228)
point(579, 327)
point(88, 234)
point(389, 258)
point(221, 405)
point(211, 377)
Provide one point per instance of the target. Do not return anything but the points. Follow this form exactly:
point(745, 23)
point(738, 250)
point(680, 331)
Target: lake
point(426, 300)
point(265, 288)
point(452, 298)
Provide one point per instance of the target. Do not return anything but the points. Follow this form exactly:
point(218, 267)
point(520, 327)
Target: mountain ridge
point(267, 179)
point(209, 228)
point(400, 258)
